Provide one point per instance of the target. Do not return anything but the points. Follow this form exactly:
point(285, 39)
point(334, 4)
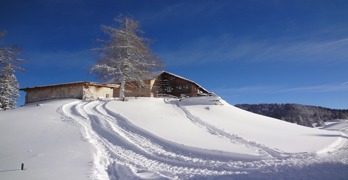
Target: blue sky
point(246, 51)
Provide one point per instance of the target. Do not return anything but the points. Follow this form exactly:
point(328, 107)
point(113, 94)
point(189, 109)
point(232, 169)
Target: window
point(169, 89)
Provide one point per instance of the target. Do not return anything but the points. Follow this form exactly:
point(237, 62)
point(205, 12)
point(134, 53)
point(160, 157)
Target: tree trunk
point(122, 89)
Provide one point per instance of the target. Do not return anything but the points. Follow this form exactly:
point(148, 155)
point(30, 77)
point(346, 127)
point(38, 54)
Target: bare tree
point(125, 56)
point(8, 54)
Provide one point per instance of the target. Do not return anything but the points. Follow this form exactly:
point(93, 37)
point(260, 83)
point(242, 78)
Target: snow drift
point(159, 138)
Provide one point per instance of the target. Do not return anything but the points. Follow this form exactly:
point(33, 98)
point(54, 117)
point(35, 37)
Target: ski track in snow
point(270, 153)
point(125, 151)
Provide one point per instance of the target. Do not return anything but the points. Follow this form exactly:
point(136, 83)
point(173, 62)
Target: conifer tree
point(125, 56)
point(9, 88)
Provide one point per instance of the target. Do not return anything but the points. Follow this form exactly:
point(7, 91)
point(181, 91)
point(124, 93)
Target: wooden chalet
point(162, 84)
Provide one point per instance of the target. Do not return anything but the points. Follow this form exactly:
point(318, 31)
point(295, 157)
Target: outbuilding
point(77, 90)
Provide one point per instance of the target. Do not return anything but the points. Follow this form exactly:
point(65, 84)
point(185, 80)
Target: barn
point(77, 90)
point(162, 84)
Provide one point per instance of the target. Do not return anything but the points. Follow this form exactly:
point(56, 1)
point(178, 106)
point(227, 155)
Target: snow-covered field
point(159, 138)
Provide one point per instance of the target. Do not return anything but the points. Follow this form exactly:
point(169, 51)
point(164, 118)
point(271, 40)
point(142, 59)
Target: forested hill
point(305, 115)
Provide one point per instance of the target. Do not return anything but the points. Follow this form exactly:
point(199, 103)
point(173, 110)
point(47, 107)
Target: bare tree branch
point(125, 56)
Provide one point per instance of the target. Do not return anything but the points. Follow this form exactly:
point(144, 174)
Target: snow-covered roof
point(71, 83)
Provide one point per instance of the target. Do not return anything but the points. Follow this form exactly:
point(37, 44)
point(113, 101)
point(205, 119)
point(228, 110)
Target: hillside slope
point(49, 147)
point(156, 138)
point(310, 116)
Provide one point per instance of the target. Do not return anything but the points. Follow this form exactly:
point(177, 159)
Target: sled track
point(268, 152)
point(117, 144)
point(121, 148)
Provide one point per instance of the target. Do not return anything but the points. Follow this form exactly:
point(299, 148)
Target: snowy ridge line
point(268, 152)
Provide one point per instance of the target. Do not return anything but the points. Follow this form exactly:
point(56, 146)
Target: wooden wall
point(74, 91)
point(176, 86)
point(53, 92)
point(164, 84)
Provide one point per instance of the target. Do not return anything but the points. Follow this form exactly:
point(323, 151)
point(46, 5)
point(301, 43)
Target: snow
point(160, 138)
point(173, 125)
point(261, 129)
point(49, 147)
point(338, 124)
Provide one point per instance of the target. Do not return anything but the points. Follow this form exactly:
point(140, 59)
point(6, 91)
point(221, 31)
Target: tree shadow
point(332, 135)
point(9, 170)
point(315, 171)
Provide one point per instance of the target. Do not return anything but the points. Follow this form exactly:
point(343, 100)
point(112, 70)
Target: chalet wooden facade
point(168, 83)
point(77, 90)
point(164, 83)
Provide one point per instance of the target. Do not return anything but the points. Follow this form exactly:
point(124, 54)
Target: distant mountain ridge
point(310, 116)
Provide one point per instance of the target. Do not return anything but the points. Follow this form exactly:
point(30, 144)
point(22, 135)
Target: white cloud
point(228, 48)
point(181, 11)
point(317, 89)
point(326, 88)
point(337, 42)
point(246, 89)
